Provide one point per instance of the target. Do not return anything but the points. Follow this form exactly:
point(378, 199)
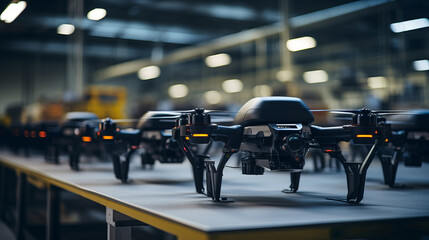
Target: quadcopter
point(409, 142)
point(153, 137)
point(70, 134)
point(275, 133)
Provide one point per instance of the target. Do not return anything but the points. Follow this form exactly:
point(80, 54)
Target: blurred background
point(122, 58)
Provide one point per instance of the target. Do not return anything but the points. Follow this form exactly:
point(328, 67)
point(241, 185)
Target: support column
point(52, 213)
point(21, 208)
point(3, 191)
point(119, 225)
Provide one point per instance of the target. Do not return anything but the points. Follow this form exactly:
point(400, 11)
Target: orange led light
point(376, 132)
point(108, 137)
point(86, 139)
point(364, 135)
point(187, 138)
point(42, 134)
point(200, 135)
point(328, 150)
point(386, 140)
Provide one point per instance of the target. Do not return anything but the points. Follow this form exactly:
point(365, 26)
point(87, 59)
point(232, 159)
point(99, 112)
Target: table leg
point(119, 225)
point(52, 213)
point(21, 208)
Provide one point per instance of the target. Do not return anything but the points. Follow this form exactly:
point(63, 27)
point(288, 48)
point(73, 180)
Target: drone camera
point(292, 143)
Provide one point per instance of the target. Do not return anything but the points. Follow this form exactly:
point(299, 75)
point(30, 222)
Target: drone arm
point(131, 136)
point(230, 135)
point(329, 135)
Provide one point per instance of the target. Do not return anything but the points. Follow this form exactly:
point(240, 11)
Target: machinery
point(275, 133)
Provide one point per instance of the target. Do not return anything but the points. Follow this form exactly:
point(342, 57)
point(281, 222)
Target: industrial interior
point(191, 119)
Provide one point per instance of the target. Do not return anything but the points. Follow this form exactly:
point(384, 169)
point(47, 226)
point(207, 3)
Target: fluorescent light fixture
point(232, 85)
point(301, 43)
point(377, 82)
point(284, 75)
point(96, 14)
point(178, 91)
point(218, 60)
point(149, 72)
point(12, 11)
point(262, 91)
point(65, 29)
point(212, 97)
point(421, 65)
point(316, 76)
point(409, 25)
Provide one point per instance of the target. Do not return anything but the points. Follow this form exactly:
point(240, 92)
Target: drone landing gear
point(52, 154)
point(390, 167)
point(198, 172)
point(197, 162)
point(318, 160)
point(214, 178)
point(147, 160)
point(74, 155)
point(355, 175)
point(294, 182)
point(121, 165)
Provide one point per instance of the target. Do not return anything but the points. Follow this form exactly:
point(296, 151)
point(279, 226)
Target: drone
point(409, 142)
point(275, 133)
point(151, 134)
point(154, 137)
point(71, 135)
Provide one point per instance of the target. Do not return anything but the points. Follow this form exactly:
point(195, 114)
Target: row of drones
point(272, 133)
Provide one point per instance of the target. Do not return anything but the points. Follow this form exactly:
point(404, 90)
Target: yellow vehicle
point(106, 101)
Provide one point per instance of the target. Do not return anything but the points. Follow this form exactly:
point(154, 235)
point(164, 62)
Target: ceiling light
point(178, 91)
point(262, 91)
point(377, 82)
point(12, 11)
point(301, 43)
point(65, 29)
point(149, 72)
point(421, 65)
point(212, 97)
point(218, 60)
point(96, 14)
point(316, 76)
point(232, 85)
point(409, 25)
point(284, 75)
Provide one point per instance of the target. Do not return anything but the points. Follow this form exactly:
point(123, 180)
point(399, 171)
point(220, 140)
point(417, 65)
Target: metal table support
point(119, 225)
point(21, 208)
point(3, 191)
point(52, 213)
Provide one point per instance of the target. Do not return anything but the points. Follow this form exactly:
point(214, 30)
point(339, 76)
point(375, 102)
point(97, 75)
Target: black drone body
point(275, 133)
point(153, 135)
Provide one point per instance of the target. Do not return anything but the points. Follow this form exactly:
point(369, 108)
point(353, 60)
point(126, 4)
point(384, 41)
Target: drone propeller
point(361, 111)
point(215, 120)
point(115, 120)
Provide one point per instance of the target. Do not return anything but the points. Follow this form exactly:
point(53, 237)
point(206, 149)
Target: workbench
point(164, 198)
